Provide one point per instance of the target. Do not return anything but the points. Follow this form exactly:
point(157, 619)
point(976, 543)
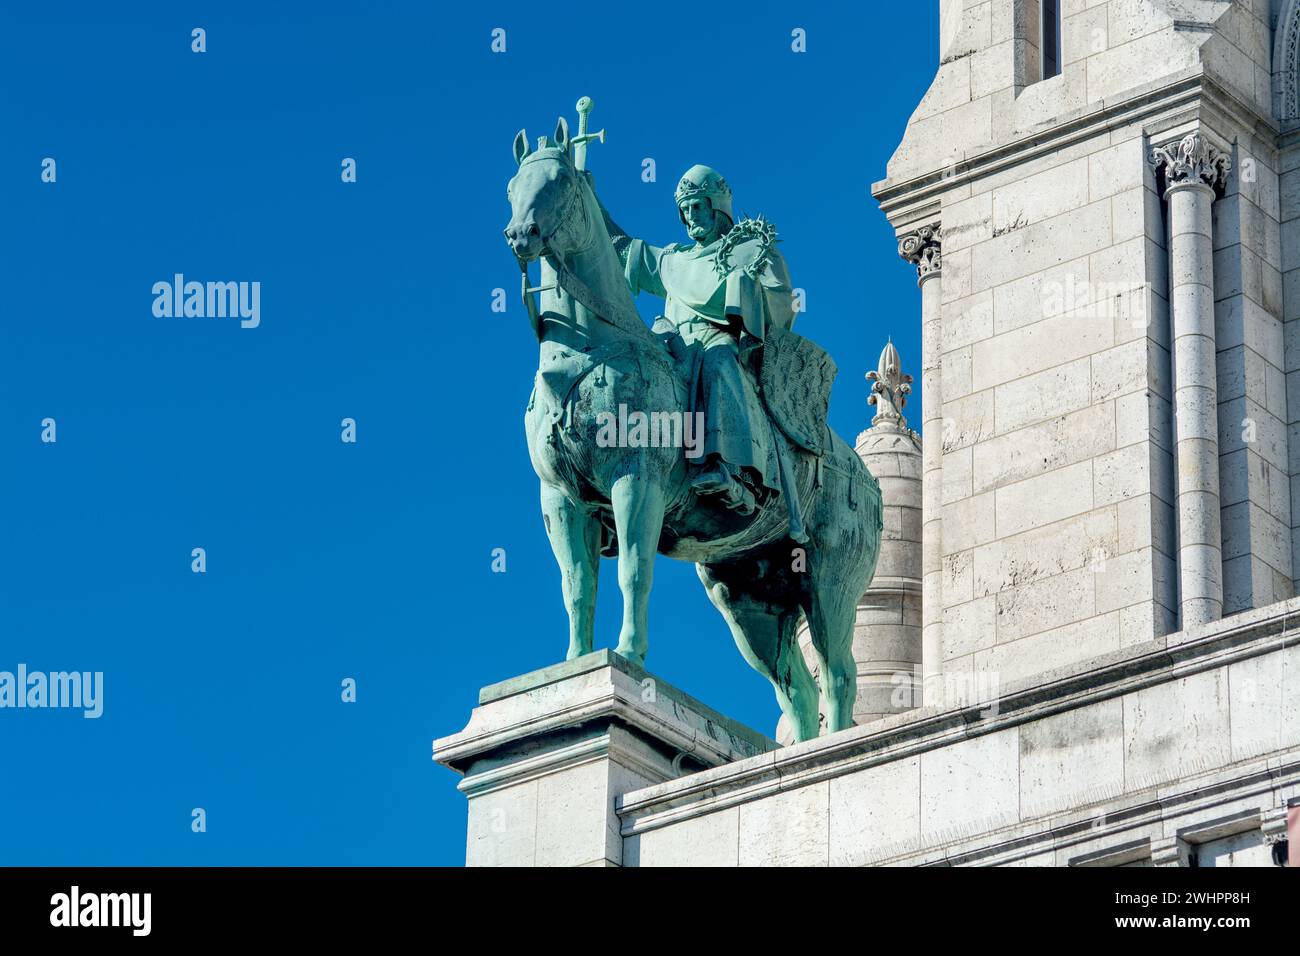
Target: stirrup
point(712, 481)
point(740, 499)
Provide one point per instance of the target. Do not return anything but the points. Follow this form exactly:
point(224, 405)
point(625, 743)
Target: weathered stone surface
point(1036, 449)
point(712, 840)
point(790, 829)
point(1068, 758)
point(1097, 763)
point(873, 811)
point(1177, 728)
point(970, 784)
point(1043, 499)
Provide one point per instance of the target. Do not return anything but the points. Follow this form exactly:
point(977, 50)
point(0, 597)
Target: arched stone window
point(1286, 61)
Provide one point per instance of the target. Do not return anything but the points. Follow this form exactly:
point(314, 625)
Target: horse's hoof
point(637, 659)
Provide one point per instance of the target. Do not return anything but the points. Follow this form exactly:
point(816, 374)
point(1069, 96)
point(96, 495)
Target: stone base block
point(545, 755)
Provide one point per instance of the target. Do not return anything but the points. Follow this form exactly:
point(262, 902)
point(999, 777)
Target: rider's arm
point(641, 269)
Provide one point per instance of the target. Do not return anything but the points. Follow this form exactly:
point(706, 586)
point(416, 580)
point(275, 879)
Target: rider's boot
point(719, 479)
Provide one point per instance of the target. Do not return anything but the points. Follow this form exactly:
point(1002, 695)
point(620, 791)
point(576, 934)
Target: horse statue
point(598, 359)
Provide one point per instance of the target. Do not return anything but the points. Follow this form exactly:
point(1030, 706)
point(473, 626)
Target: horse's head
point(548, 214)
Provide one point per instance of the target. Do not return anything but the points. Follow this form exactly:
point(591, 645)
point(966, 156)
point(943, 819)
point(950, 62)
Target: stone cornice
point(601, 746)
point(1137, 812)
point(1191, 96)
point(604, 689)
point(885, 439)
point(1162, 660)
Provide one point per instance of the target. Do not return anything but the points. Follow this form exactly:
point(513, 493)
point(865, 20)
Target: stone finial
point(889, 389)
point(1191, 160)
point(923, 248)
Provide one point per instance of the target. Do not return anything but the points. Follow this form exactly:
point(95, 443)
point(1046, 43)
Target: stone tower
point(887, 639)
point(1101, 201)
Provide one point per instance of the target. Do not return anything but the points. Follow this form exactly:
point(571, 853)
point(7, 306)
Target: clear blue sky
point(373, 560)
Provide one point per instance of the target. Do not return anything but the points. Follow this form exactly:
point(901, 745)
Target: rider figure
point(721, 306)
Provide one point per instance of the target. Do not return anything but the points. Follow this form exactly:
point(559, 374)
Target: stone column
point(1190, 170)
point(923, 249)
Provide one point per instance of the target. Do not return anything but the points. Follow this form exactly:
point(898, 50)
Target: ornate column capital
point(889, 390)
point(1190, 161)
point(923, 249)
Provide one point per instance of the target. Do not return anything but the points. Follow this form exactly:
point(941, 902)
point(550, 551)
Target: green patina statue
point(719, 312)
point(704, 439)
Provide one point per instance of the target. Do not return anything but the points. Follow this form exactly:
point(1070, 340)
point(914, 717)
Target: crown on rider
point(706, 182)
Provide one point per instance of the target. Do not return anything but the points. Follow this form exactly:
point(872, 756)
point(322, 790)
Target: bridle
point(572, 223)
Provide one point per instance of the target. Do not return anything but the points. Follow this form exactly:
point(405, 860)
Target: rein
point(615, 314)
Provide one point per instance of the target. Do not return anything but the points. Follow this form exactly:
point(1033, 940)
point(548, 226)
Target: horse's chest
point(558, 454)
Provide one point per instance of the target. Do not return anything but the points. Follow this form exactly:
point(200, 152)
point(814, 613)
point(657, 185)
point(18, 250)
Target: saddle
point(793, 379)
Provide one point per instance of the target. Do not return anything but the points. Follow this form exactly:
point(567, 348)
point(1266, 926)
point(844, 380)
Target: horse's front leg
point(574, 531)
point(638, 516)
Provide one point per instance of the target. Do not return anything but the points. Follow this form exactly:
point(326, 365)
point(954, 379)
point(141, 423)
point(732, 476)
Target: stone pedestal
point(545, 755)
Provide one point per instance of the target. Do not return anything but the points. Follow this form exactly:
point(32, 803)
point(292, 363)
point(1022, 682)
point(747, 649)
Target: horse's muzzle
point(525, 240)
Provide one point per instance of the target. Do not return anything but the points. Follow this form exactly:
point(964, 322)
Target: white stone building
point(1090, 558)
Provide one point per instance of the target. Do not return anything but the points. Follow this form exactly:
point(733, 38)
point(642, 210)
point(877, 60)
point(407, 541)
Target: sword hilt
point(583, 138)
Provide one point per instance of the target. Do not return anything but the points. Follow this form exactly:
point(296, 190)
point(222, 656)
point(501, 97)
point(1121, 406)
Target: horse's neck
point(569, 322)
point(566, 323)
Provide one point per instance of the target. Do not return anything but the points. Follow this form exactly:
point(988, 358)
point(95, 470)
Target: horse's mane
point(618, 236)
point(610, 240)
point(615, 241)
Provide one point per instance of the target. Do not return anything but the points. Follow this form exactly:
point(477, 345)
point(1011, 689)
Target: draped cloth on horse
point(721, 302)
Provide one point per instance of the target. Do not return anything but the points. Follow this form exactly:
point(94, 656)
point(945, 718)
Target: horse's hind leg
point(831, 611)
point(766, 636)
point(574, 531)
point(638, 518)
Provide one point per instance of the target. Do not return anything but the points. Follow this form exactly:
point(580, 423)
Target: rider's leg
point(728, 445)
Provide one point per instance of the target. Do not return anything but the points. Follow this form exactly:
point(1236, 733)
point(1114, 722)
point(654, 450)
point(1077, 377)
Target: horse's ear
point(562, 134)
point(521, 145)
